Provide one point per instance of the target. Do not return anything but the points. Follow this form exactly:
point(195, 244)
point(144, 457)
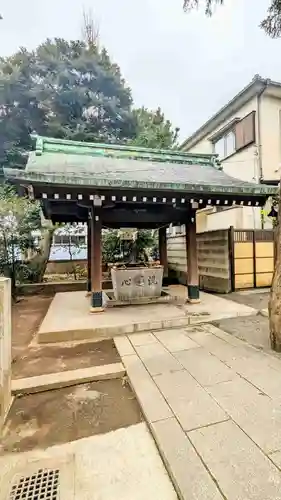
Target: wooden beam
point(89, 259)
point(163, 250)
point(192, 260)
point(96, 265)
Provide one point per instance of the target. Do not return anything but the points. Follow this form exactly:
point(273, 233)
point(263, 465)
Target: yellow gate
point(252, 255)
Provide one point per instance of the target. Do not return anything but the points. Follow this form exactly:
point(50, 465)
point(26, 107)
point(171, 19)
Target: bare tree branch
point(209, 5)
point(272, 23)
point(90, 29)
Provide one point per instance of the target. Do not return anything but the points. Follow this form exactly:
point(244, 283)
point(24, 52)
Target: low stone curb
point(264, 312)
point(68, 378)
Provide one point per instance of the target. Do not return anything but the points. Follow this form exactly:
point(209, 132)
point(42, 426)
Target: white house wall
point(238, 217)
point(205, 145)
point(243, 165)
point(270, 113)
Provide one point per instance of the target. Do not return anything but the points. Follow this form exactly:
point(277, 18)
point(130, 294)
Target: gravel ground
point(252, 329)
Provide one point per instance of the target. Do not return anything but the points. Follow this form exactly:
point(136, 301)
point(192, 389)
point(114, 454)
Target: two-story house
point(246, 134)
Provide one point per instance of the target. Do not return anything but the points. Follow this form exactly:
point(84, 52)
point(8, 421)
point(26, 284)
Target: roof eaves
point(224, 129)
point(90, 181)
point(252, 89)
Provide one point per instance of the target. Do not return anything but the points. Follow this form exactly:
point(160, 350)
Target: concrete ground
point(253, 329)
point(120, 465)
point(256, 298)
point(77, 323)
point(213, 405)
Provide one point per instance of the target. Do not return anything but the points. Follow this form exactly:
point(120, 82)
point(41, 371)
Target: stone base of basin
point(110, 300)
point(136, 282)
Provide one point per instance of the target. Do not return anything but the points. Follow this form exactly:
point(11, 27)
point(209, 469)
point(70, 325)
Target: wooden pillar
point(192, 262)
point(96, 264)
point(89, 257)
point(162, 237)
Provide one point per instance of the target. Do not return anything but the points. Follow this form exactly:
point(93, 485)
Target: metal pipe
point(259, 146)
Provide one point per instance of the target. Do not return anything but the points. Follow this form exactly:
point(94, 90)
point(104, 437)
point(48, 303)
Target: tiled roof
point(95, 165)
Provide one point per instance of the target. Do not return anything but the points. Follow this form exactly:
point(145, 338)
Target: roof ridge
point(65, 146)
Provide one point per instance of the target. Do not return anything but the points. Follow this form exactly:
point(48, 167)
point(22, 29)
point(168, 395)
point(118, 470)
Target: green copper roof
point(61, 162)
point(50, 145)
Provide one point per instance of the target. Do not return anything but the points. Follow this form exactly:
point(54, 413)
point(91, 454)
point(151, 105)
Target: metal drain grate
point(42, 485)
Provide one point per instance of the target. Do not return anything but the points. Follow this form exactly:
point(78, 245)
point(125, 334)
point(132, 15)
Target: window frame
point(233, 129)
point(224, 138)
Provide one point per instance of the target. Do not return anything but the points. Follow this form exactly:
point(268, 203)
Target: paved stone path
point(213, 404)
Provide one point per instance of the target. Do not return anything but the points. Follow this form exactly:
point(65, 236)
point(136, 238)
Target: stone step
point(68, 378)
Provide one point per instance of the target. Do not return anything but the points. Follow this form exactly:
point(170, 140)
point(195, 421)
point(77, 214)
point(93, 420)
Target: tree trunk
point(39, 263)
point(274, 306)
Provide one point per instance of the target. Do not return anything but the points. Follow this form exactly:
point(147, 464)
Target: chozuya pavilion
point(115, 186)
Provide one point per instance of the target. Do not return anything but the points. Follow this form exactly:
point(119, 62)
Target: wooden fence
point(252, 257)
point(228, 259)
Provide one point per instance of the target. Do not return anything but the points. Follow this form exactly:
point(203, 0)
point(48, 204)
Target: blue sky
point(187, 64)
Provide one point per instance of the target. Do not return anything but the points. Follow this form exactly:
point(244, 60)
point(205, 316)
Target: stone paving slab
point(157, 359)
point(241, 470)
point(226, 398)
point(276, 458)
point(261, 369)
point(257, 414)
point(150, 398)
point(123, 464)
point(230, 339)
point(190, 477)
point(265, 378)
point(138, 339)
point(204, 367)
point(150, 350)
point(191, 404)
point(175, 342)
point(224, 351)
point(123, 346)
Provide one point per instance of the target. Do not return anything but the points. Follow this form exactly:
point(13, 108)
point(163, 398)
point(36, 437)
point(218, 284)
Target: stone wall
point(213, 260)
point(5, 348)
point(65, 266)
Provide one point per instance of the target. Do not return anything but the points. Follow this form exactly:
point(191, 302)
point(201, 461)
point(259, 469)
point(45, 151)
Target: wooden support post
point(89, 256)
point(96, 265)
point(192, 261)
point(162, 237)
point(231, 258)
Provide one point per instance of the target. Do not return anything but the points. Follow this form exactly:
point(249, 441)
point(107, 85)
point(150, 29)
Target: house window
point(219, 147)
point(242, 134)
point(230, 143)
point(225, 146)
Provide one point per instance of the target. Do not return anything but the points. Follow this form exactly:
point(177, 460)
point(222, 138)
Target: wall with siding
point(213, 260)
